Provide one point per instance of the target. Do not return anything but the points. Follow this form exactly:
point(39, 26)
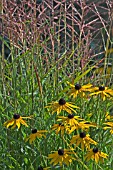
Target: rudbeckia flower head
point(17, 120)
point(82, 139)
point(35, 133)
point(96, 155)
point(102, 91)
point(62, 105)
point(70, 119)
point(62, 102)
point(78, 89)
point(62, 156)
point(84, 125)
point(59, 128)
point(101, 88)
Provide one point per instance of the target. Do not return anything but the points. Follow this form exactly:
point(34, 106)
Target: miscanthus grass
point(56, 102)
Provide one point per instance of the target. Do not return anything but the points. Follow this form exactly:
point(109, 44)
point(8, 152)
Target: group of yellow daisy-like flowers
point(72, 122)
point(17, 120)
point(102, 91)
point(69, 124)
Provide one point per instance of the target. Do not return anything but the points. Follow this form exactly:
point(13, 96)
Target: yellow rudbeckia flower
point(17, 120)
point(35, 134)
point(59, 128)
point(82, 139)
point(70, 119)
point(84, 125)
point(62, 156)
point(102, 91)
point(96, 155)
point(78, 89)
point(62, 105)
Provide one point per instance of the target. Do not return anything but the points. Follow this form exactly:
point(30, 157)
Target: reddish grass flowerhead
point(17, 120)
point(62, 105)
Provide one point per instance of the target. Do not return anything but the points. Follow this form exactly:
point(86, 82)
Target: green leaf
point(83, 74)
point(26, 160)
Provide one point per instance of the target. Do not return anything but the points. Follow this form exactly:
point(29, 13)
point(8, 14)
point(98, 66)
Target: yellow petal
point(9, 123)
point(14, 125)
point(18, 123)
point(23, 122)
point(32, 139)
point(96, 157)
point(87, 86)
